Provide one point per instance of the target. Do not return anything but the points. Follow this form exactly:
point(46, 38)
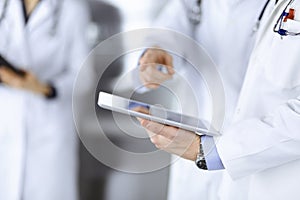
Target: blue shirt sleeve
point(212, 158)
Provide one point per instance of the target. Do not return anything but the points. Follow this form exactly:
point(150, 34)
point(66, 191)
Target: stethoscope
point(278, 27)
point(194, 13)
point(56, 14)
point(257, 25)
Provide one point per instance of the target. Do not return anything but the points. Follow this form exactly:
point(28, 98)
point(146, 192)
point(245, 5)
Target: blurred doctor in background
point(45, 43)
point(228, 33)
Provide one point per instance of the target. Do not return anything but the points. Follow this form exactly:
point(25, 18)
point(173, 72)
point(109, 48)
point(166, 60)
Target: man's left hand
point(173, 140)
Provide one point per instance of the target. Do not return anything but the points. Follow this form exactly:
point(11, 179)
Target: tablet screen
point(167, 114)
point(154, 113)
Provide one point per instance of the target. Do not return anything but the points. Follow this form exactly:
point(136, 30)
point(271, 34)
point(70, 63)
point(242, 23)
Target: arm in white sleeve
point(255, 145)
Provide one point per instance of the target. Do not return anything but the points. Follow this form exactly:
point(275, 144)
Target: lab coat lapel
point(16, 46)
point(42, 13)
point(15, 16)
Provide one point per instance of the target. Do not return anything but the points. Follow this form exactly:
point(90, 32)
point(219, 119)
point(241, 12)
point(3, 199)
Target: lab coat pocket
point(292, 26)
point(283, 67)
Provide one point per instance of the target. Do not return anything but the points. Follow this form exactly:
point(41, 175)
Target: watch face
point(201, 164)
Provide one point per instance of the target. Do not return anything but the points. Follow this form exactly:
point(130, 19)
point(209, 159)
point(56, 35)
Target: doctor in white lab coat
point(260, 145)
point(226, 32)
point(38, 145)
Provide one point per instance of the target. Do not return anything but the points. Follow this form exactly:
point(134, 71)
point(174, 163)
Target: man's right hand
point(149, 73)
point(27, 82)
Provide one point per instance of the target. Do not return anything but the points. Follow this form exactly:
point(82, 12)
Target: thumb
point(171, 70)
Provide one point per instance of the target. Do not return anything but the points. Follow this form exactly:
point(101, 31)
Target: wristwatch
point(200, 160)
point(52, 94)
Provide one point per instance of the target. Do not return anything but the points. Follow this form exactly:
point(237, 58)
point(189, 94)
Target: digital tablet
point(156, 114)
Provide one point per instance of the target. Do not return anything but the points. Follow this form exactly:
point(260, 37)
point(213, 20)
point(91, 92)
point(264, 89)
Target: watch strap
point(200, 160)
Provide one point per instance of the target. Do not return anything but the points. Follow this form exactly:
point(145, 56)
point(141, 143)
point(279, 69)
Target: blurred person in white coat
point(259, 150)
point(227, 32)
point(45, 40)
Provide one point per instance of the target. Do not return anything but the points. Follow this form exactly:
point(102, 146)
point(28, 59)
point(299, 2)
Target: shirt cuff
point(212, 158)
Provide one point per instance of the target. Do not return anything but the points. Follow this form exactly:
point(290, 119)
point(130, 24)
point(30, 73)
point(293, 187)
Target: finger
point(4, 69)
point(160, 129)
point(169, 64)
point(1, 68)
point(150, 56)
point(29, 75)
point(144, 66)
point(171, 70)
point(141, 109)
point(9, 72)
point(169, 60)
point(154, 127)
point(10, 78)
point(145, 81)
point(167, 69)
point(6, 73)
point(147, 60)
point(159, 141)
point(152, 86)
point(150, 81)
point(153, 75)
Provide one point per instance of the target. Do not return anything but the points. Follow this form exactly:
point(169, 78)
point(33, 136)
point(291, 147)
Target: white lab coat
point(38, 153)
point(226, 33)
point(261, 147)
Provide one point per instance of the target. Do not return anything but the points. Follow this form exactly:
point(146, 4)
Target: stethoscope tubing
point(194, 15)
